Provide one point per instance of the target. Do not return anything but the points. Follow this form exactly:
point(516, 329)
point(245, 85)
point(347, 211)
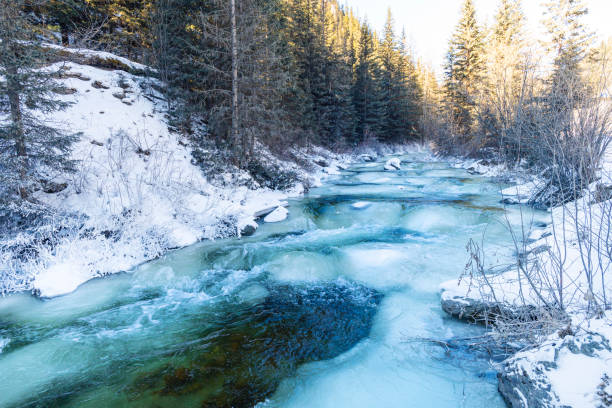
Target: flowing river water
point(326, 309)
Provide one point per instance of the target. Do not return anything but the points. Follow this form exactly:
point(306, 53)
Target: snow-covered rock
point(367, 158)
point(279, 214)
point(393, 164)
point(521, 193)
point(567, 370)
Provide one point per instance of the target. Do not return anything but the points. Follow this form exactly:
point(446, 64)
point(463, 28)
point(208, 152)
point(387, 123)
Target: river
point(333, 307)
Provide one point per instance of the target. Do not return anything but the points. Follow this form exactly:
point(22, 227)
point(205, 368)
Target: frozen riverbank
point(561, 261)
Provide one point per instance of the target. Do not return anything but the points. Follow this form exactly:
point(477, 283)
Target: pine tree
point(31, 150)
point(366, 93)
point(464, 69)
point(569, 43)
point(506, 68)
point(390, 78)
point(410, 94)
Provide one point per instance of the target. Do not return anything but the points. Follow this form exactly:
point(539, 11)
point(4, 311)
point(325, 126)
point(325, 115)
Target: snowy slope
point(136, 190)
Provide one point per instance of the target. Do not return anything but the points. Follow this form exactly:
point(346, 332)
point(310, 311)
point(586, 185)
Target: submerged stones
point(243, 357)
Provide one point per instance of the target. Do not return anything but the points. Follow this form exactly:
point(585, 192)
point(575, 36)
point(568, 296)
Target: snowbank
point(101, 55)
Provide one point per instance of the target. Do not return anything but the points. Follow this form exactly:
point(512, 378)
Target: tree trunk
point(65, 35)
point(235, 139)
point(19, 136)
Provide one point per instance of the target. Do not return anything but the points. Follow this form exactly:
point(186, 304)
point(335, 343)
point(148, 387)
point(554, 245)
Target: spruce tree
point(569, 43)
point(410, 94)
point(32, 151)
point(390, 82)
point(366, 93)
point(465, 68)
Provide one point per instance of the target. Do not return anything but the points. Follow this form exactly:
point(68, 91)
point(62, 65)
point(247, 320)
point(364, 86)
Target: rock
point(76, 75)
point(63, 90)
point(322, 163)
point(530, 378)
point(99, 85)
point(393, 164)
point(96, 143)
point(248, 230)
point(279, 214)
point(366, 158)
point(51, 187)
point(479, 311)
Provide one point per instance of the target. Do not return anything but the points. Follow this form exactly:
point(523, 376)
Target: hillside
point(136, 193)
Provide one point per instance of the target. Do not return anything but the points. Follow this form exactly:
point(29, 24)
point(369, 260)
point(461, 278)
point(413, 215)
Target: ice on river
point(392, 368)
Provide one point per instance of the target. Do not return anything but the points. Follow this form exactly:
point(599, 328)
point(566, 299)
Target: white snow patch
point(280, 214)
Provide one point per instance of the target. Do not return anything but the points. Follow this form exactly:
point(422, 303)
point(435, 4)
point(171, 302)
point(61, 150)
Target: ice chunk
point(393, 164)
point(361, 204)
point(280, 214)
point(3, 343)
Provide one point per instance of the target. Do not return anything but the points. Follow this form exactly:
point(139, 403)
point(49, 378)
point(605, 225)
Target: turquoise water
point(326, 309)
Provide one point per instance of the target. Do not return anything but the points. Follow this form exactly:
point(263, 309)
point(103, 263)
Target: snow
point(521, 193)
point(280, 214)
point(100, 54)
point(393, 164)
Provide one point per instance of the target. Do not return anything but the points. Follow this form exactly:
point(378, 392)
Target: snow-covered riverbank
point(565, 261)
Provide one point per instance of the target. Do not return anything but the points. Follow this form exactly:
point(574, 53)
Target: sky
point(430, 23)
